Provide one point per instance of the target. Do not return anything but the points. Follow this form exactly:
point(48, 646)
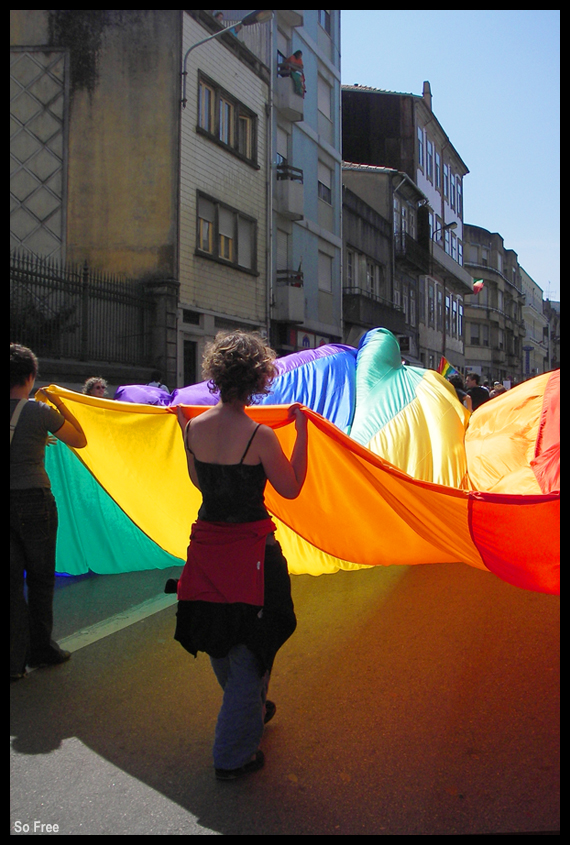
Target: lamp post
point(445, 228)
point(257, 16)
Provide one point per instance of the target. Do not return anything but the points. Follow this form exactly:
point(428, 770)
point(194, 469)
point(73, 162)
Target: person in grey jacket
point(33, 516)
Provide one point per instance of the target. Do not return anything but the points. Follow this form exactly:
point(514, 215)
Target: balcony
point(289, 104)
point(289, 192)
point(289, 297)
point(410, 254)
point(362, 309)
point(453, 274)
point(292, 17)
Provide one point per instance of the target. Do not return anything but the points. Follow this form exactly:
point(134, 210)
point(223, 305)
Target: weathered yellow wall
point(122, 158)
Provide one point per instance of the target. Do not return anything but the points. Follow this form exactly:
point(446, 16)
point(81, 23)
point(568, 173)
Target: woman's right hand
point(300, 419)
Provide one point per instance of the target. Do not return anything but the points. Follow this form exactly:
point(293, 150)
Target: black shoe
point(234, 774)
point(17, 676)
point(270, 710)
point(52, 659)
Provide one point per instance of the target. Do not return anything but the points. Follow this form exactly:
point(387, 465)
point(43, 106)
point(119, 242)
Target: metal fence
point(74, 312)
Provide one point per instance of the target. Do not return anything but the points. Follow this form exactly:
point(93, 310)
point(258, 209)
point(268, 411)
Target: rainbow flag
point(445, 369)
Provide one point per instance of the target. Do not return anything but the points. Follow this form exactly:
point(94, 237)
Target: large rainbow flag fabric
point(399, 472)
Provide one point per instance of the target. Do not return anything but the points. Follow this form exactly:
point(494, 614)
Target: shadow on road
point(411, 701)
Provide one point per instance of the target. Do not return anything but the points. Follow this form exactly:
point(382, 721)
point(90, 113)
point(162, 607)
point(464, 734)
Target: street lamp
point(445, 228)
point(257, 16)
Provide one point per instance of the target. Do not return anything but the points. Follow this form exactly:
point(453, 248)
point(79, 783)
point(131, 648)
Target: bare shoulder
point(265, 436)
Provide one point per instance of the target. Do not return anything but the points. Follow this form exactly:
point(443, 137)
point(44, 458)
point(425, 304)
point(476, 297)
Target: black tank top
point(231, 492)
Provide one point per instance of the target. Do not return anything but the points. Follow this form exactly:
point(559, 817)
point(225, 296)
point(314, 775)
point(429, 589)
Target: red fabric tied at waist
point(225, 562)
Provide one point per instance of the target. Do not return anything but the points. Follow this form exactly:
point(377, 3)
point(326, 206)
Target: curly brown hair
point(240, 365)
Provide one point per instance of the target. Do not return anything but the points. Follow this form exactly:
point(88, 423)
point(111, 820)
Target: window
point(439, 310)
point(225, 234)
point(421, 147)
point(412, 307)
point(373, 280)
point(431, 304)
point(206, 107)
point(459, 252)
point(452, 191)
point(226, 121)
point(397, 298)
point(206, 220)
point(438, 172)
point(438, 229)
point(325, 20)
point(479, 334)
point(429, 162)
point(246, 242)
point(282, 146)
point(445, 180)
point(396, 215)
point(405, 302)
point(459, 188)
point(325, 183)
point(325, 272)
point(245, 136)
point(454, 317)
point(460, 320)
point(324, 97)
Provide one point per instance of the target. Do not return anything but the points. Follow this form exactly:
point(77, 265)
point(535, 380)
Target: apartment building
point(383, 260)
point(305, 238)
point(495, 329)
point(110, 167)
point(535, 341)
point(400, 131)
point(223, 220)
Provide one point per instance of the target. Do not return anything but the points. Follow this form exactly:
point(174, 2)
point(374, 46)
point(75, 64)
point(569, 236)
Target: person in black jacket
point(478, 394)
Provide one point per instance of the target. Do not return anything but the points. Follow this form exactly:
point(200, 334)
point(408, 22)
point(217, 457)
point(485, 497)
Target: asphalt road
point(410, 701)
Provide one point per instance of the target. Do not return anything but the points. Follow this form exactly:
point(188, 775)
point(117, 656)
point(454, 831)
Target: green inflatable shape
point(384, 386)
point(94, 534)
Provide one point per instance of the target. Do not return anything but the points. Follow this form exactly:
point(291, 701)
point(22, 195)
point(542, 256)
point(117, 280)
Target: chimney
point(426, 94)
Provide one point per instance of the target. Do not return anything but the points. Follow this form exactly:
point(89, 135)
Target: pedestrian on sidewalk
point(33, 516)
point(235, 593)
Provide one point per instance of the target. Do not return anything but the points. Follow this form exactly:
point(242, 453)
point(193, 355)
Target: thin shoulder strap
point(249, 444)
point(16, 416)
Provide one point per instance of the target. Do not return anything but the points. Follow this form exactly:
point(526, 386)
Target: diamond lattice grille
point(36, 151)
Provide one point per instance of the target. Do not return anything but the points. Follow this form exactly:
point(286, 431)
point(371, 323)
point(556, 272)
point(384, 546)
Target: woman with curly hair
point(234, 593)
point(95, 386)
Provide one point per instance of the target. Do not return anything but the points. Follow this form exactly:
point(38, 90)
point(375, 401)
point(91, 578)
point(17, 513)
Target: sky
point(495, 83)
